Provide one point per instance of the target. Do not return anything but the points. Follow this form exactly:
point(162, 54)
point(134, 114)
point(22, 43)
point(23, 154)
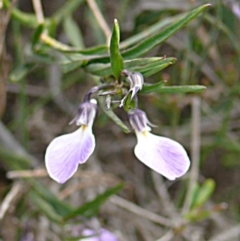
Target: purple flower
point(66, 152)
point(161, 154)
point(136, 82)
point(102, 235)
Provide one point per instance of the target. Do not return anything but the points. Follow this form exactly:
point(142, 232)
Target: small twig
point(232, 233)
point(96, 181)
point(4, 20)
point(100, 19)
point(195, 151)
point(38, 10)
point(27, 174)
point(167, 237)
point(16, 188)
point(164, 195)
point(54, 43)
point(133, 208)
point(30, 90)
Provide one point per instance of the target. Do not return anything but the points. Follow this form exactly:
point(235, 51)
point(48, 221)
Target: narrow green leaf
point(149, 88)
point(142, 65)
point(98, 51)
point(59, 206)
point(155, 67)
point(13, 160)
point(205, 192)
point(149, 43)
point(113, 117)
point(67, 9)
point(177, 89)
point(37, 34)
point(151, 30)
point(73, 33)
point(27, 19)
point(44, 207)
point(129, 103)
point(194, 194)
point(66, 68)
point(21, 72)
point(115, 56)
point(90, 209)
point(198, 214)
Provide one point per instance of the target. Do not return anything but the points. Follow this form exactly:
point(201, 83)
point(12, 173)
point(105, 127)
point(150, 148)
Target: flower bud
point(136, 82)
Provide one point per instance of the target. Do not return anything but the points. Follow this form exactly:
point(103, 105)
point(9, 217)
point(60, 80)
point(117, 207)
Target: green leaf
point(115, 56)
point(59, 206)
point(67, 9)
point(149, 88)
point(87, 52)
point(71, 62)
point(13, 160)
point(205, 192)
point(71, 67)
point(21, 72)
point(129, 103)
point(90, 209)
point(113, 117)
point(155, 67)
point(194, 194)
point(73, 33)
point(37, 34)
point(151, 30)
point(151, 42)
point(45, 207)
point(142, 65)
point(174, 89)
point(198, 214)
point(27, 19)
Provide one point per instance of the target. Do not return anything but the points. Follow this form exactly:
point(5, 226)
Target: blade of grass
point(149, 43)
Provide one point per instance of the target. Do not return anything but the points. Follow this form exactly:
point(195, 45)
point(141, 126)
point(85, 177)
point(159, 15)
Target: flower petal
point(102, 235)
point(162, 154)
point(65, 152)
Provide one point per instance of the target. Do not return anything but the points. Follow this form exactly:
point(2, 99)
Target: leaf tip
point(206, 6)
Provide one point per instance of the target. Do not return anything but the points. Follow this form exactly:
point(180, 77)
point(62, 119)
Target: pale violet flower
point(101, 235)
point(66, 152)
point(161, 154)
point(136, 81)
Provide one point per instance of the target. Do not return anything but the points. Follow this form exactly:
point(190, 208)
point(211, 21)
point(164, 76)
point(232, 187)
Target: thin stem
point(96, 89)
point(195, 152)
point(37, 5)
point(136, 101)
point(6, 204)
point(54, 43)
point(100, 19)
point(27, 174)
point(133, 208)
point(167, 237)
point(163, 194)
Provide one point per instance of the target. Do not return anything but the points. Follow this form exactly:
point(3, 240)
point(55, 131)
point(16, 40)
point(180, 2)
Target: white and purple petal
point(102, 235)
point(65, 152)
point(162, 154)
point(136, 82)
